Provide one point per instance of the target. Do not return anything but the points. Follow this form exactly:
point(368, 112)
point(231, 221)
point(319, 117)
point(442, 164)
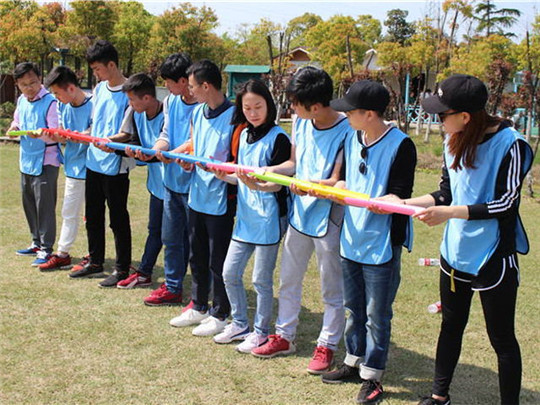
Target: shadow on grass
point(411, 373)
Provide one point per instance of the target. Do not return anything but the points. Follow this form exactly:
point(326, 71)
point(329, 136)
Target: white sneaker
point(209, 327)
point(252, 341)
point(190, 317)
point(230, 333)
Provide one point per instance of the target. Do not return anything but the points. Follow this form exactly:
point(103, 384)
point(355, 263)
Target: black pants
point(113, 190)
point(209, 238)
point(498, 304)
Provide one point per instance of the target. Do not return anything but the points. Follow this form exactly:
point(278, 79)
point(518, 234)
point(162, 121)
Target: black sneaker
point(370, 393)
point(344, 373)
point(432, 401)
point(86, 270)
point(114, 278)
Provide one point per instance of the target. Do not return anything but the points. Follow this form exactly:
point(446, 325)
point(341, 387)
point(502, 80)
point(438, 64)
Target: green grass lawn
point(67, 341)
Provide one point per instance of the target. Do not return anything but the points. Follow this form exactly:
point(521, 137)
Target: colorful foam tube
point(170, 155)
point(74, 135)
point(14, 134)
point(387, 206)
point(230, 167)
point(349, 197)
point(305, 185)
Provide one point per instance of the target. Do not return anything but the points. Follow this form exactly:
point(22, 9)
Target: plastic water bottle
point(434, 308)
point(426, 261)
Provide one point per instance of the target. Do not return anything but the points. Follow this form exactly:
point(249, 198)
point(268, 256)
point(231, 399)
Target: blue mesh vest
point(257, 212)
point(211, 137)
point(149, 131)
point(33, 115)
point(109, 109)
point(468, 245)
point(177, 179)
point(76, 118)
point(316, 152)
point(365, 236)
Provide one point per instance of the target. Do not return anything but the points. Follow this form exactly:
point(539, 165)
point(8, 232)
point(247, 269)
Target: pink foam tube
point(229, 167)
point(388, 206)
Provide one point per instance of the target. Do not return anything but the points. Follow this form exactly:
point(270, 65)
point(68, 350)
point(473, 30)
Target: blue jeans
point(369, 293)
point(262, 278)
point(174, 234)
point(153, 243)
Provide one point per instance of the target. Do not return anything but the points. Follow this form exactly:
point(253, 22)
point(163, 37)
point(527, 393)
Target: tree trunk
point(530, 177)
point(349, 57)
point(428, 129)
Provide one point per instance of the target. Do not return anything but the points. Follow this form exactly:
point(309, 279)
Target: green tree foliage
point(528, 54)
point(131, 33)
point(185, 28)
point(459, 11)
point(424, 50)
point(399, 30)
point(395, 57)
point(369, 28)
point(86, 22)
point(27, 30)
point(328, 40)
point(297, 28)
point(494, 21)
point(477, 58)
point(252, 44)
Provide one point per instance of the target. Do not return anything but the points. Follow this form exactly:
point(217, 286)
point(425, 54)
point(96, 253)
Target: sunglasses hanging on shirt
point(363, 165)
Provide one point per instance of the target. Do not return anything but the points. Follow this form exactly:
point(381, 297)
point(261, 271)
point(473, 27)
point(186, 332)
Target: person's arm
point(507, 187)
point(336, 171)
point(437, 204)
point(15, 124)
point(401, 177)
point(287, 168)
point(507, 191)
point(51, 121)
point(52, 115)
point(443, 196)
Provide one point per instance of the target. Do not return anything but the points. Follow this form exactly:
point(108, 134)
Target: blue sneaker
point(42, 258)
point(29, 251)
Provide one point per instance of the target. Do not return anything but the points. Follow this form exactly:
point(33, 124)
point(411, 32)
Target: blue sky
point(232, 14)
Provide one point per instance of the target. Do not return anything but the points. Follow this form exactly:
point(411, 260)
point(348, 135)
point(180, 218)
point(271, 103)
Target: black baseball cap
point(459, 92)
point(365, 95)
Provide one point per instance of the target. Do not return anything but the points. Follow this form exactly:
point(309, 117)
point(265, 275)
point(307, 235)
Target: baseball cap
point(363, 94)
point(459, 92)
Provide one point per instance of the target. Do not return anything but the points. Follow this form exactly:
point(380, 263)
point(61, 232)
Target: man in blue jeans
point(177, 109)
point(142, 126)
point(379, 160)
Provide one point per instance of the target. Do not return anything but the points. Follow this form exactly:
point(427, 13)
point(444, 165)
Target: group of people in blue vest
point(213, 221)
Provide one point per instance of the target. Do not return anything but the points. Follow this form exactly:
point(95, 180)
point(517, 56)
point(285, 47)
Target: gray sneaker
point(113, 279)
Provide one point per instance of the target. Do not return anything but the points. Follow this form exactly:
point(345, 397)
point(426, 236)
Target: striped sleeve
point(507, 189)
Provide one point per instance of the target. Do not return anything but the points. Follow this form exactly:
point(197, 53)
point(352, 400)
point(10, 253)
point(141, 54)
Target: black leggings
point(499, 305)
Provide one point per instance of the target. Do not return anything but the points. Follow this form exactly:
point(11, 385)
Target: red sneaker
point(85, 260)
point(276, 346)
point(135, 280)
point(162, 296)
point(321, 361)
point(55, 263)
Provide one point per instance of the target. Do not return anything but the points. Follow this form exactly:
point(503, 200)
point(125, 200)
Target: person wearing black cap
point(485, 162)
point(379, 160)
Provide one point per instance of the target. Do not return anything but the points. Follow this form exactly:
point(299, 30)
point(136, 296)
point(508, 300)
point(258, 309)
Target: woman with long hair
point(485, 162)
point(260, 216)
